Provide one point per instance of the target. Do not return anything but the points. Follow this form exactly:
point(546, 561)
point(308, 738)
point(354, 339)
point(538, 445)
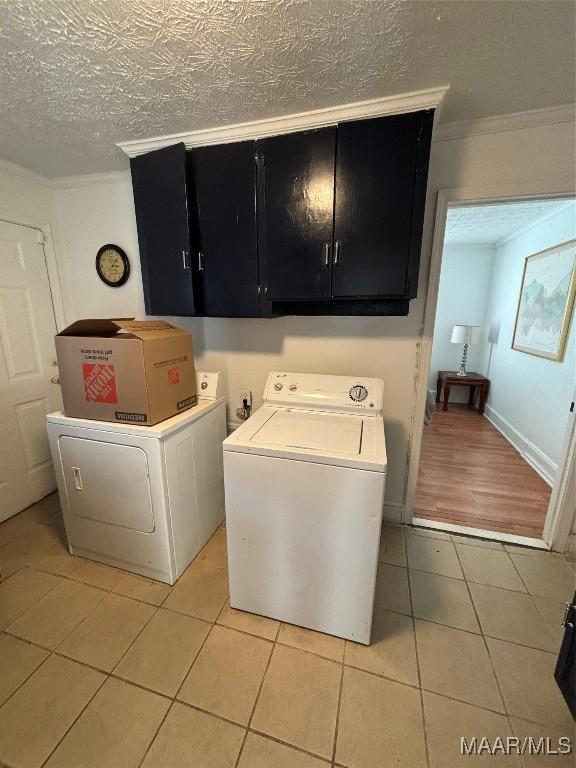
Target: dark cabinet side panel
point(375, 169)
point(295, 220)
point(160, 199)
point(222, 183)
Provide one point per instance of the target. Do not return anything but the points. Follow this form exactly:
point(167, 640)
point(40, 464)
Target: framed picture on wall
point(546, 301)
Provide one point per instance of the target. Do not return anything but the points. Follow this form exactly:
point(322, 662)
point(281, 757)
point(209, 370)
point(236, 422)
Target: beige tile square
point(456, 664)
point(57, 560)
point(141, 588)
point(226, 676)
point(201, 592)
point(97, 574)
point(315, 642)
point(434, 556)
point(21, 591)
point(526, 676)
point(471, 541)
point(13, 557)
point(511, 616)
point(260, 752)
point(517, 549)
point(443, 600)
point(163, 653)
point(52, 619)
point(448, 721)
point(299, 700)
point(380, 723)
point(192, 739)
point(392, 591)
point(17, 661)
point(431, 533)
point(15, 528)
point(114, 730)
point(487, 566)
point(552, 613)
point(391, 652)
point(215, 550)
point(249, 622)
point(525, 730)
point(546, 576)
point(392, 547)
point(38, 715)
point(106, 634)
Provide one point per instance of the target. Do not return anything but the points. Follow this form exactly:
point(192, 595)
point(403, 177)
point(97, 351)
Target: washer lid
point(315, 431)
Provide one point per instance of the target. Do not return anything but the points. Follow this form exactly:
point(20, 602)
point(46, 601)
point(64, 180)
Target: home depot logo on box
point(173, 376)
point(99, 383)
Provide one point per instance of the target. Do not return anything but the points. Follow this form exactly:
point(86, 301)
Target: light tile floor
point(104, 669)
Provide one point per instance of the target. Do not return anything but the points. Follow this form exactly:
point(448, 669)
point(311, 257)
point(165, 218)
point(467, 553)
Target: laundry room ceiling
point(78, 75)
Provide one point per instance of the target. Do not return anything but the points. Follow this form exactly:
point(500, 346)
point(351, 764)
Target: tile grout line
point(179, 688)
point(419, 676)
point(257, 699)
point(339, 705)
point(492, 665)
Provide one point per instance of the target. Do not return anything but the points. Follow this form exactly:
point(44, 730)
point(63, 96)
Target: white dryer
point(304, 481)
point(143, 498)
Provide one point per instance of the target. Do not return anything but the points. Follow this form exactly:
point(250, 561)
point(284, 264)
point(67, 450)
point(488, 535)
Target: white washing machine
point(304, 482)
point(145, 499)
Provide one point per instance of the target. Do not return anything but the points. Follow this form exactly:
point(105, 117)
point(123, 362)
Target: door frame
point(559, 515)
point(46, 238)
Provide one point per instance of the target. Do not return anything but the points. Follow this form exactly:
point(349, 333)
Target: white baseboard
point(538, 460)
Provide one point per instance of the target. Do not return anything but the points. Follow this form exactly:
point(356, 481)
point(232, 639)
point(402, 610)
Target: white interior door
point(27, 328)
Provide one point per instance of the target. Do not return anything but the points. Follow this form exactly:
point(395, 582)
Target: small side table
point(449, 379)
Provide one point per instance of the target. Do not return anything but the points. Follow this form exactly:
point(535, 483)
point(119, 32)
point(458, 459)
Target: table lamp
point(466, 335)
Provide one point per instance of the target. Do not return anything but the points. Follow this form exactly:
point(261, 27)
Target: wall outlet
point(246, 394)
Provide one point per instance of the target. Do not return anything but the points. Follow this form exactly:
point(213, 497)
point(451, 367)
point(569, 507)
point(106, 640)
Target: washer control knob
point(204, 385)
point(293, 387)
point(278, 386)
point(358, 393)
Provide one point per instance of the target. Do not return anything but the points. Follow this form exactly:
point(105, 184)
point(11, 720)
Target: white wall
point(246, 350)
point(463, 296)
point(530, 396)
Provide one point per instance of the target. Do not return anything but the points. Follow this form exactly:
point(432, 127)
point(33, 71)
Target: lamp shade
point(465, 334)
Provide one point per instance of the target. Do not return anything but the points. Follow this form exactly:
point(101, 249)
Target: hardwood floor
point(470, 475)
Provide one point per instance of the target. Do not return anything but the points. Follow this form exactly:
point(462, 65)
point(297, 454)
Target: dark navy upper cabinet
point(161, 202)
point(296, 184)
point(222, 184)
point(376, 226)
point(321, 222)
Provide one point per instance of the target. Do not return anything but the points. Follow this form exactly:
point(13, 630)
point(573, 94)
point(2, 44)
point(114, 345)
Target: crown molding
point(536, 223)
point(300, 121)
point(512, 122)
point(89, 179)
point(23, 173)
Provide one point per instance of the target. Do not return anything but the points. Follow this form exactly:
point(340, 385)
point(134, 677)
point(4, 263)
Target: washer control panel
point(324, 392)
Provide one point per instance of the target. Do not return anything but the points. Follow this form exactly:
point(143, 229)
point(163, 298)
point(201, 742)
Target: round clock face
point(112, 265)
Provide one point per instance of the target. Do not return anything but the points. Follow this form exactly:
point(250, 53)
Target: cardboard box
point(134, 371)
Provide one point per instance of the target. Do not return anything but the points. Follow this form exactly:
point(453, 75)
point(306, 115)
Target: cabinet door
point(295, 216)
point(376, 166)
point(223, 182)
point(160, 199)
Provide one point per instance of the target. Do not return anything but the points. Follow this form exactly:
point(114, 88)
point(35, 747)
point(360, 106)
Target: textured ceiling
point(490, 223)
point(78, 75)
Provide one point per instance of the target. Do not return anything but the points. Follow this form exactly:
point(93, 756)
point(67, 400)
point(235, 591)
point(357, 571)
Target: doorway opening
point(501, 376)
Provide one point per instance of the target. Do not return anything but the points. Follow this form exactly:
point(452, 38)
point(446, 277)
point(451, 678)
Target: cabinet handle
point(200, 261)
point(185, 260)
point(336, 253)
point(326, 254)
